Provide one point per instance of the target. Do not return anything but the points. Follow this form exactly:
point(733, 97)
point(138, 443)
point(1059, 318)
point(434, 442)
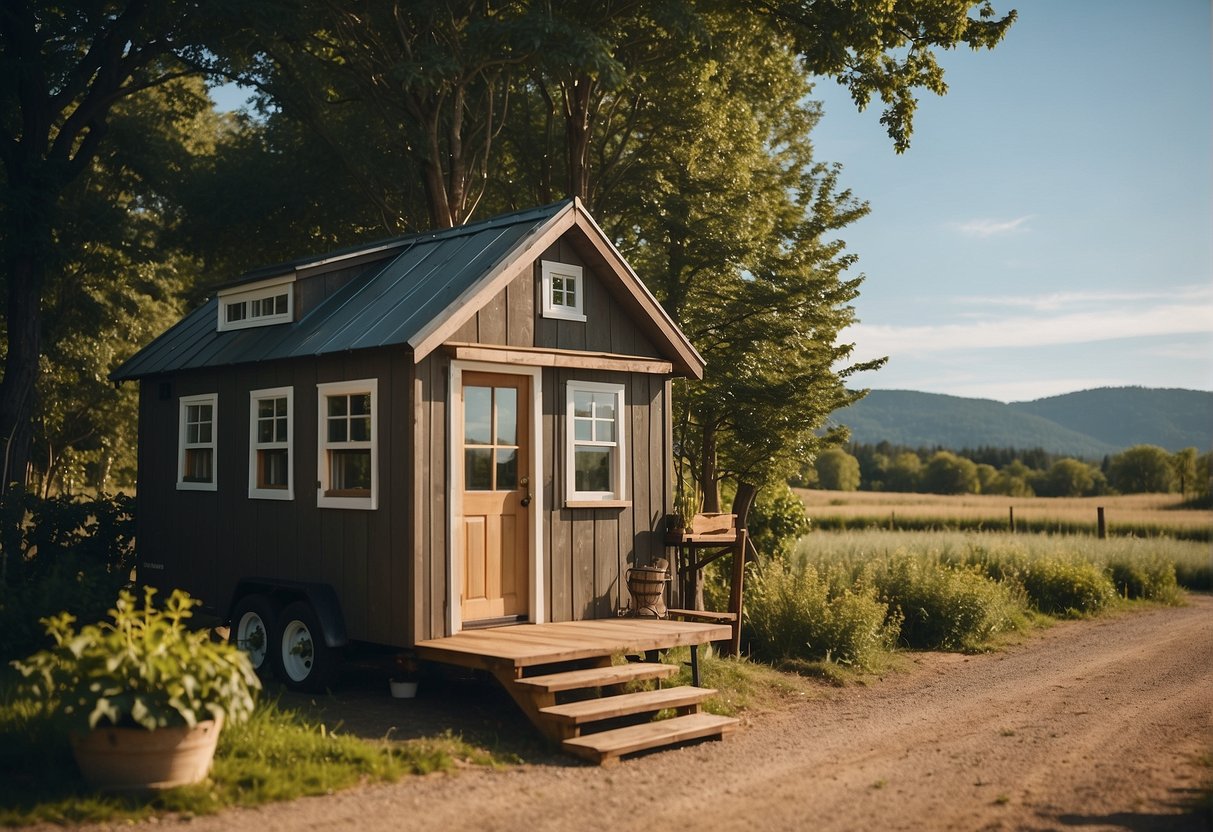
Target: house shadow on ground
point(467, 704)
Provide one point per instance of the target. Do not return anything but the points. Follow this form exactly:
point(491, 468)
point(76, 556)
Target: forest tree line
point(1141, 469)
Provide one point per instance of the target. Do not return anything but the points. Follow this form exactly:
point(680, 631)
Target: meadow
point(1142, 515)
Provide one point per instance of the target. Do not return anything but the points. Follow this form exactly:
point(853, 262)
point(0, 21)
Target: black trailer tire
point(302, 660)
point(254, 630)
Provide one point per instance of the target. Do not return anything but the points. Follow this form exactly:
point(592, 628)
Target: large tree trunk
point(18, 390)
point(577, 124)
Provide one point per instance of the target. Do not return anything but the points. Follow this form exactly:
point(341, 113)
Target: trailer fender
point(320, 597)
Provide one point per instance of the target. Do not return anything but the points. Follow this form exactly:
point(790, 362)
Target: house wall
point(209, 540)
point(585, 551)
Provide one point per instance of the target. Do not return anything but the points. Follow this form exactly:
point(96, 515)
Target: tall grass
point(846, 597)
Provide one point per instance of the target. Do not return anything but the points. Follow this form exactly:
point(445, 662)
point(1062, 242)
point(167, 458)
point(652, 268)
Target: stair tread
point(609, 744)
point(609, 707)
point(598, 676)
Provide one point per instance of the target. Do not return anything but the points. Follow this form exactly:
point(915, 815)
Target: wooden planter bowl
point(135, 759)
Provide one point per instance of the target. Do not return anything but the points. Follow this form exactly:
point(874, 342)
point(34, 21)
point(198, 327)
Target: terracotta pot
point(131, 759)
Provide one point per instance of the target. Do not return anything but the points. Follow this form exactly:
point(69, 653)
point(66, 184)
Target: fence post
point(1102, 526)
point(1011, 510)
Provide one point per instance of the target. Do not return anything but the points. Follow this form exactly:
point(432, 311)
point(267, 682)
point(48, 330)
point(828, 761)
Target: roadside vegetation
point(279, 754)
point(851, 597)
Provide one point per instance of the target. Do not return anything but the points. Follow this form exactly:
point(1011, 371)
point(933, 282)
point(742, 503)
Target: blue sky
point(1050, 228)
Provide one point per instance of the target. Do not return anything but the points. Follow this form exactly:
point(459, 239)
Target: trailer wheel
point(303, 660)
point(253, 630)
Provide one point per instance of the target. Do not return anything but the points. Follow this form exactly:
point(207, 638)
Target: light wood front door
point(496, 495)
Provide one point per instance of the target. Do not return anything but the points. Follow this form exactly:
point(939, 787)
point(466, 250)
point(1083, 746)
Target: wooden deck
point(550, 669)
point(520, 646)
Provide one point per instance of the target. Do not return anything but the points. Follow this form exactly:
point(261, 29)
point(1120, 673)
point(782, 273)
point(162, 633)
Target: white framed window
point(595, 442)
point(563, 291)
point(347, 462)
point(265, 303)
point(196, 435)
point(271, 435)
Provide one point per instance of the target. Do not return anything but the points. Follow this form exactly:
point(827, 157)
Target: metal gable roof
point(432, 284)
point(387, 305)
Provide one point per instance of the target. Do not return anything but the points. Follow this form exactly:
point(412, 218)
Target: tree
point(904, 472)
point(1142, 469)
point(1184, 463)
point(887, 49)
point(1067, 478)
point(62, 70)
point(837, 470)
point(947, 473)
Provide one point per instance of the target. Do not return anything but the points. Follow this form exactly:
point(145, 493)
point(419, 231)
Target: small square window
point(271, 416)
point(196, 442)
point(563, 291)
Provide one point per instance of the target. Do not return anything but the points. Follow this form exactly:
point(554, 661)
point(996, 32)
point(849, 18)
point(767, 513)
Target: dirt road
point(1092, 724)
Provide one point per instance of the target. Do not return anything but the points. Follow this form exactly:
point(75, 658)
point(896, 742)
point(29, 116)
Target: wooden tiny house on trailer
point(401, 441)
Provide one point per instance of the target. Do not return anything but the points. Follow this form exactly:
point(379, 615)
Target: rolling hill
point(1088, 424)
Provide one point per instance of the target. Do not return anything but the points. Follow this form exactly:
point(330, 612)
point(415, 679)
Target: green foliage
point(1066, 587)
point(945, 606)
point(777, 520)
point(1067, 478)
point(277, 754)
point(145, 668)
point(1142, 469)
point(62, 553)
point(799, 614)
point(837, 470)
point(947, 473)
point(1152, 578)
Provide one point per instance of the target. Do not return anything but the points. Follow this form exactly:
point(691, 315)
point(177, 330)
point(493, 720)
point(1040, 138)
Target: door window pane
point(478, 469)
point(507, 416)
point(478, 415)
point(507, 469)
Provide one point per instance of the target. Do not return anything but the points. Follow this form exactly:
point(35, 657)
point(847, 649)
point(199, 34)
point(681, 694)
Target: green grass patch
point(277, 755)
point(740, 684)
point(1024, 525)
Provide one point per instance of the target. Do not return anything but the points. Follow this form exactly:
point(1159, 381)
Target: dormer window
point(563, 291)
point(261, 304)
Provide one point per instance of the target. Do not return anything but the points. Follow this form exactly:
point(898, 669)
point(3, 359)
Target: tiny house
point(401, 441)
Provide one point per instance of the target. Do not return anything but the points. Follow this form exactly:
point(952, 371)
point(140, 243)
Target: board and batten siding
point(209, 540)
point(586, 552)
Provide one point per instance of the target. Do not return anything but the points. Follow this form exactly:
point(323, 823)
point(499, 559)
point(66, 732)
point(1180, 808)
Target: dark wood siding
point(430, 500)
point(209, 540)
point(313, 288)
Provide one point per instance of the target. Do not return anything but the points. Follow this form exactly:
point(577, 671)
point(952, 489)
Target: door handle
point(525, 483)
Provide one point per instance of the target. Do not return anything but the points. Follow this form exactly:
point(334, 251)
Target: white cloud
point(1051, 301)
point(1078, 326)
point(984, 228)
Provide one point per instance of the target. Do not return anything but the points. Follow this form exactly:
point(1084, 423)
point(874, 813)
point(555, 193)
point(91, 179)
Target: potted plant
point(142, 696)
point(403, 683)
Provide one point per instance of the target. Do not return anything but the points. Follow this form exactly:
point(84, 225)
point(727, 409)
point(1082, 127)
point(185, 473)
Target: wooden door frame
point(454, 481)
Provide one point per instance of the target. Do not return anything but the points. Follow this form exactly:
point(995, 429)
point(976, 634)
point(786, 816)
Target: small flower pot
point(403, 690)
point(136, 759)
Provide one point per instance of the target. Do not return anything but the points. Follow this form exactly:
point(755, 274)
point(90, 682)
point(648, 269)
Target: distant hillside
point(1123, 416)
point(1089, 424)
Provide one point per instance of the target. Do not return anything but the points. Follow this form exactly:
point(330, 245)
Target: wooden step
point(626, 704)
point(607, 747)
point(704, 615)
point(595, 677)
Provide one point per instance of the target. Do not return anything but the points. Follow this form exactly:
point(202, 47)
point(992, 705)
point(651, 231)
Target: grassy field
point(1133, 514)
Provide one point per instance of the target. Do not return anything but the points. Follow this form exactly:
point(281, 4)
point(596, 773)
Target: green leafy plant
point(145, 668)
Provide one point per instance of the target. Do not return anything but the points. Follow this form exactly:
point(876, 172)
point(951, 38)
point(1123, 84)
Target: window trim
point(565, 312)
point(603, 499)
point(254, 491)
point(183, 406)
point(259, 291)
point(323, 474)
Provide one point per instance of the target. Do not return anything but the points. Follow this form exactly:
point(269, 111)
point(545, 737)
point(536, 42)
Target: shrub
point(60, 554)
point(1150, 578)
point(953, 608)
point(777, 520)
point(1066, 587)
point(797, 615)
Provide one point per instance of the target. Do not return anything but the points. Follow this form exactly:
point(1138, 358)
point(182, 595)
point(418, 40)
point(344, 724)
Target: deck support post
point(695, 665)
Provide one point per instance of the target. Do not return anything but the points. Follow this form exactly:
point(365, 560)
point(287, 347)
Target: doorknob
point(525, 482)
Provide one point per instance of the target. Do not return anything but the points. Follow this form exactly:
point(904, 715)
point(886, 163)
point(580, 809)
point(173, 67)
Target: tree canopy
point(684, 124)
